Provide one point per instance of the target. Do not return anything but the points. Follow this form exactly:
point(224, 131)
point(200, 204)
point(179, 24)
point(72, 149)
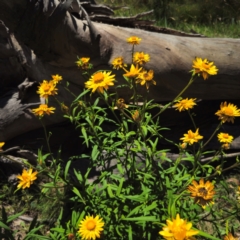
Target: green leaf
point(84, 133)
point(11, 218)
point(109, 190)
point(120, 186)
point(206, 235)
point(75, 190)
point(81, 95)
point(66, 169)
point(140, 219)
point(59, 230)
point(95, 152)
point(130, 233)
point(4, 226)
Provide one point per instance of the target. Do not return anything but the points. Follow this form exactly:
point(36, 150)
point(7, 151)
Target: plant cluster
point(140, 193)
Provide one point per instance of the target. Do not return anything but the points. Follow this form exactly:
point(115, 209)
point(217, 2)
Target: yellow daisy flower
point(178, 229)
point(204, 67)
point(140, 58)
point(100, 81)
point(56, 78)
point(191, 137)
point(42, 110)
point(83, 63)
point(118, 63)
point(225, 137)
point(134, 40)
point(185, 104)
point(146, 77)
point(27, 178)
point(134, 72)
point(47, 88)
point(227, 112)
point(90, 227)
point(202, 193)
point(230, 237)
point(1, 145)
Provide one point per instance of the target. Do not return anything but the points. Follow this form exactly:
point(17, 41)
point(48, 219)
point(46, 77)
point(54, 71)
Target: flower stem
point(217, 128)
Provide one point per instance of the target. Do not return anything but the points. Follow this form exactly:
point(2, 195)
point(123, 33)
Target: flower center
point(225, 135)
point(46, 88)
point(98, 77)
point(205, 65)
point(228, 111)
point(141, 56)
point(91, 225)
point(203, 191)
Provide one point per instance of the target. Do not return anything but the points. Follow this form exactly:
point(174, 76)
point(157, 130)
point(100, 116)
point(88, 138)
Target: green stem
point(217, 128)
point(47, 139)
point(190, 115)
point(179, 95)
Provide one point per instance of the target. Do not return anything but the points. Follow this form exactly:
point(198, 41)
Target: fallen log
point(43, 39)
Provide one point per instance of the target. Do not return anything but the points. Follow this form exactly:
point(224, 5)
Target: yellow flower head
point(134, 40)
point(100, 81)
point(183, 145)
point(191, 137)
point(146, 77)
point(178, 229)
point(56, 78)
point(185, 104)
point(204, 68)
point(42, 110)
point(227, 112)
point(140, 58)
point(136, 116)
point(83, 63)
point(120, 104)
point(225, 138)
point(90, 227)
point(226, 146)
point(47, 88)
point(118, 63)
point(26, 179)
point(134, 72)
point(230, 237)
point(202, 193)
point(1, 145)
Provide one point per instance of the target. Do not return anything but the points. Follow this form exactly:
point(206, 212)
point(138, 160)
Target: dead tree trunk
point(42, 38)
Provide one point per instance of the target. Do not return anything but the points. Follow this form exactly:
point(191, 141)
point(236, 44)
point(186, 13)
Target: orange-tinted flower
point(145, 77)
point(134, 40)
point(191, 137)
point(204, 68)
point(185, 104)
point(83, 63)
point(56, 78)
point(42, 110)
point(100, 81)
point(227, 112)
point(141, 58)
point(91, 228)
point(118, 63)
point(202, 193)
point(178, 229)
point(47, 88)
point(26, 179)
point(133, 72)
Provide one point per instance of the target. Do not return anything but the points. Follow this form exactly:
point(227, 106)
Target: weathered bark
point(44, 39)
